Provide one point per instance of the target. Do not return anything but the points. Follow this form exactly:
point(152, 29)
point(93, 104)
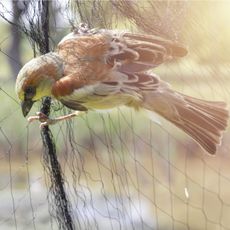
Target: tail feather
point(209, 143)
point(216, 110)
point(203, 120)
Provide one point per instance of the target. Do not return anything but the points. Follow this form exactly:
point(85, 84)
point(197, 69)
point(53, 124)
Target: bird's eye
point(29, 92)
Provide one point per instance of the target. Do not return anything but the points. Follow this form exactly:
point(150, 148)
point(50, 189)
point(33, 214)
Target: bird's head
point(36, 78)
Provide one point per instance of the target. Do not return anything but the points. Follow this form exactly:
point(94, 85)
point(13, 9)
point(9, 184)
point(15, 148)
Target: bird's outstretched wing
point(137, 53)
point(134, 52)
point(106, 56)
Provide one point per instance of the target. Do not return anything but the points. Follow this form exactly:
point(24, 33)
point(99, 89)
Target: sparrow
point(94, 69)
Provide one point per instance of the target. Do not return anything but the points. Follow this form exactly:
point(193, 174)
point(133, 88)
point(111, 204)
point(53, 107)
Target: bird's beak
point(26, 106)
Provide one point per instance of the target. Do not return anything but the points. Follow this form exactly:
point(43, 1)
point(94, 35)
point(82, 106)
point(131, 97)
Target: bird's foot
point(45, 120)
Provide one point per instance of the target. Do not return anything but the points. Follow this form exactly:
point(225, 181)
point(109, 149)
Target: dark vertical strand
point(62, 205)
point(45, 24)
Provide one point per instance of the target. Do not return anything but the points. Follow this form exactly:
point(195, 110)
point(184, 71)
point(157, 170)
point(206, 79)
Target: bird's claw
point(45, 120)
point(39, 117)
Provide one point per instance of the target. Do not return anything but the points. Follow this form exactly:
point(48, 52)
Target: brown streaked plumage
point(104, 69)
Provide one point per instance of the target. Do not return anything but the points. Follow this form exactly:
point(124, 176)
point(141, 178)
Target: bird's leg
point(45, 120)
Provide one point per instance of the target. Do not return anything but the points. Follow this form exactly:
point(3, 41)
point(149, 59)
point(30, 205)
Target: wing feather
point(138, 53)
point(114, 62)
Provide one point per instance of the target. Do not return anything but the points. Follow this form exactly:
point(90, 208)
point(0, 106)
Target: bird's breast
point(97, 97)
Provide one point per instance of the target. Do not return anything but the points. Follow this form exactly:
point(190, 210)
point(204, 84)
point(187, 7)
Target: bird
point(96, 69)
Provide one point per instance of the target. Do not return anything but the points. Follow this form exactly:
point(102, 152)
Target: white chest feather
point(101, 96)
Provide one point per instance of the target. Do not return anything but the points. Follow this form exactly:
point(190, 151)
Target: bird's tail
point(203, 120)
